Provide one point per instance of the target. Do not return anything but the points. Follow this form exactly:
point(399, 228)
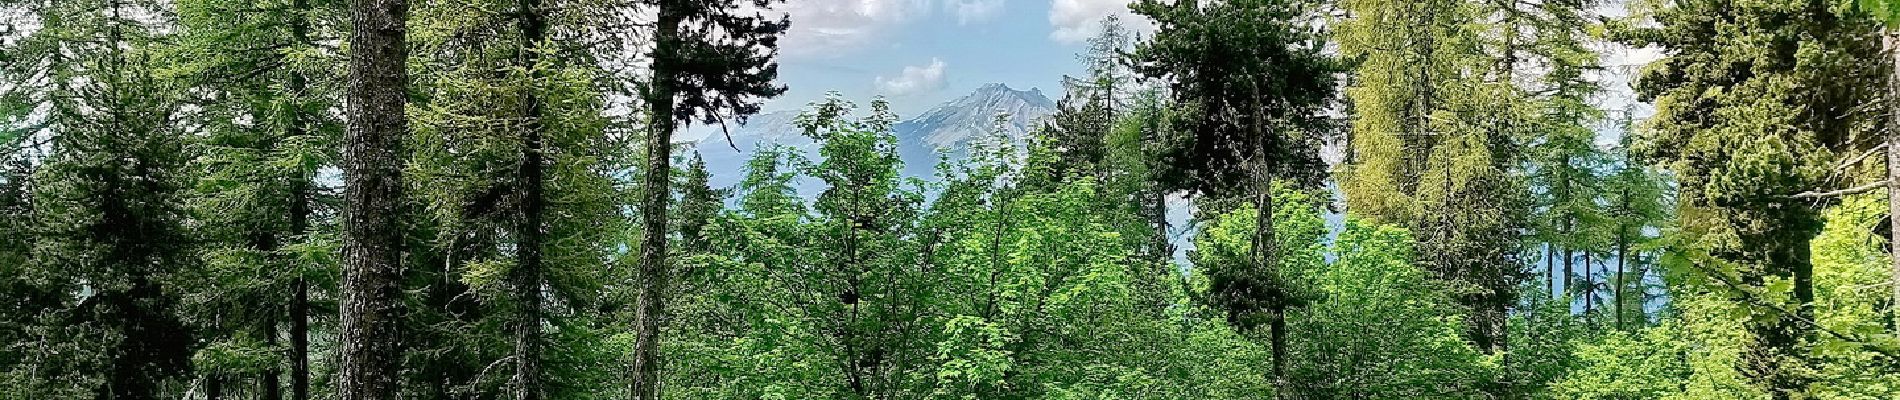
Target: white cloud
point(914, 79)
point(968, 11)
point(821, 27)
point(1076, 20)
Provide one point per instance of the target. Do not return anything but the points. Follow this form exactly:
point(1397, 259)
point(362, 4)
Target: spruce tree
point(87, 101)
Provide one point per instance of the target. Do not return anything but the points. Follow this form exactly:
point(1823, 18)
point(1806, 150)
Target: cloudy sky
point(918, 53)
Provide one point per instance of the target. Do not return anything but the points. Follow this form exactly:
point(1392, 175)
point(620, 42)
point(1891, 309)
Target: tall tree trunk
point(372, 309)
point(300, 341)
point(1569, 269)
point(299, 222)
point(1550, 266)
point(1892, 37)
point(1266, 256)
point(527, 273)
point(655, 192)
point(300, 289)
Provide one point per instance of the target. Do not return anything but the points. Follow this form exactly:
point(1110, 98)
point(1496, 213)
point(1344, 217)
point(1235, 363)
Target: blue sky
point(919, 53)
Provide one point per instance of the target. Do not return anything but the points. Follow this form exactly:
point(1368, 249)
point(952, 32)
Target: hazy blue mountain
point(949, 127)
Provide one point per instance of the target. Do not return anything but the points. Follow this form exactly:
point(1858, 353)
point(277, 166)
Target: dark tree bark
point(527, 273)
point(268, 382)
point(655, 193)
point(372, 309)
point(300, 341)
point(1569, 271)
point(299, 224)
point(1589, 284)
point(1550, 266)
point(214, 387)
point(1622, 250)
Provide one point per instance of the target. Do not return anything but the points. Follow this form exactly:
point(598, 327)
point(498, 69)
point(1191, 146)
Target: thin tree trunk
point(299, 223)
point(1589, 283)
point(527, 273)
point(1622, 248)
point(268, 379)
point(1550, 266)
point(655, 192)
point(300, 341)
point(1569, 269)
point(300, 291)
point(1266, 254)
point(370, 338)
point(1893, 170)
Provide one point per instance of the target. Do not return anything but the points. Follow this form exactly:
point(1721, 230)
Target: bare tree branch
point(1843, 192)
point(1851, 162)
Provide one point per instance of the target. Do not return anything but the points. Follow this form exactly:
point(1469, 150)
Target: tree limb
point(1851, 162)
point(1843, 192)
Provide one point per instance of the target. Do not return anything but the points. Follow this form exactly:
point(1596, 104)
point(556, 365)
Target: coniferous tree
point(1634, 203)
point(1436, 141)
point(372, 308)
point(1752, 108)
point(709, 61)
point(1253, 74)
point(267, 116)
point(88, 103)
point(515, 161)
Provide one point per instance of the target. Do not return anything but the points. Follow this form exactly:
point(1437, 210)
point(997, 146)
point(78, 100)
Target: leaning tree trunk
point(527, 273)
point(655, 191)
point(371, 333)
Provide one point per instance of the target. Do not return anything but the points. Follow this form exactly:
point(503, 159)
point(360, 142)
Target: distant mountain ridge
point(949, 127)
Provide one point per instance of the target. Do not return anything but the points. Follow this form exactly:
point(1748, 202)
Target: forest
point(1387, 199)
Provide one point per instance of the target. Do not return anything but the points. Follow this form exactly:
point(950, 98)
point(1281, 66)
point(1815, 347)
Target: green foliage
point(168, 209)
point(1379, 327)
point(1266, 93)
point(1752, 105)
point(1224, 253)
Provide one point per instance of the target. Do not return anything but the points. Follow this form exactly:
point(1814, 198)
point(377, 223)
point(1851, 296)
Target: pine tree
point(515, 164)
point(708, 60)
point(1634, 202)
point(1253, 74)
